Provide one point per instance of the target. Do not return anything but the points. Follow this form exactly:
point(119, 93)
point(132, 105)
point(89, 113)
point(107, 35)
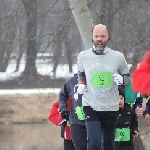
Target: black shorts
point(108, 119)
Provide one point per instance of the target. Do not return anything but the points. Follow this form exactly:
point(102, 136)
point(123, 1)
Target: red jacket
point(141, 76)
point(55, 118)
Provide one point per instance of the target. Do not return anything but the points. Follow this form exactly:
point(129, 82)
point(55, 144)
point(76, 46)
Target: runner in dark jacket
point(127, 125)
point(75, 115)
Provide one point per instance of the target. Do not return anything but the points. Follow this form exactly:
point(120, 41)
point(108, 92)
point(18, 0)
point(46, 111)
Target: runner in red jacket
point(55, 118)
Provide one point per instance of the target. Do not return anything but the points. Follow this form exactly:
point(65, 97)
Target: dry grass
point(32, 108)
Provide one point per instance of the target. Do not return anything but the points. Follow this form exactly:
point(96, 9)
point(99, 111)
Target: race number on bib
point(122, 134)
point(102, 79)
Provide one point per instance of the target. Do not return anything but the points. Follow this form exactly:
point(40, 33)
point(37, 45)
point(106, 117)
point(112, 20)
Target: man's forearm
point(81, 77)
point(126, 78)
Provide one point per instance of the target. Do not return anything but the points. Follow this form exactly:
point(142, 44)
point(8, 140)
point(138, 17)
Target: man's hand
point(118, 78)
point(139, 111)
point(65, 115)
point(81, 88)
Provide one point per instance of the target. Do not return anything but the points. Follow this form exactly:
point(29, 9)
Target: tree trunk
point(69, 53)
point(8, 32)
point(31, 11)
point(83, 20)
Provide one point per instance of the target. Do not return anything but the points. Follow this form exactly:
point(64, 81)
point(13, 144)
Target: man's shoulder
point(115, 52)
point(85, 51)
point(119, 55)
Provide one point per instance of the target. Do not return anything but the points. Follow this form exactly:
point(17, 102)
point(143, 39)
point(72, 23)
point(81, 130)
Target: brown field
point(23, 121)
point(30, 108)
point(33, 110)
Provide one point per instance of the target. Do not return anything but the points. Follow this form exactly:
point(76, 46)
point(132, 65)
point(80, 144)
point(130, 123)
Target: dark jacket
point(147, 108)
point(138, 102)
point(127, 119)
point(70, 89)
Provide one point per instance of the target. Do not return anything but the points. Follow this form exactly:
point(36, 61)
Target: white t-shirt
point(101, 91)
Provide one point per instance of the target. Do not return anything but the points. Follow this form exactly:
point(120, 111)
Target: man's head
point(121, 98)
point(100, 36)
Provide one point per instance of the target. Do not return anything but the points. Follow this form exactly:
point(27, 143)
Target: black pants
point(124, 146)
point(68, 145)
point(79, 137)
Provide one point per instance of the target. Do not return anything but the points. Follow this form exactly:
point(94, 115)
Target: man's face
point(121, 101)
point(100, 37)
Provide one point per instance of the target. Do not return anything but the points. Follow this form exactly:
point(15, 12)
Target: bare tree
point(31, 12)
point(8, 32)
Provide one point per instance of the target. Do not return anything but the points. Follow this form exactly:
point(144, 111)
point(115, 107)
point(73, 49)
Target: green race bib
point(80, 113)
point(102, 79)
point(122, 134)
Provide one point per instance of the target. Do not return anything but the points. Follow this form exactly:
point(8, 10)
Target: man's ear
point(92, 39)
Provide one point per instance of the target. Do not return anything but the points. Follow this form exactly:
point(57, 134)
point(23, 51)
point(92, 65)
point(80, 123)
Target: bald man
point(100, 71)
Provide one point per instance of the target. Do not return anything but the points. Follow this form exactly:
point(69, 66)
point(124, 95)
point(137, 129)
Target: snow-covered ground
point(43, 68)
point(29, 91)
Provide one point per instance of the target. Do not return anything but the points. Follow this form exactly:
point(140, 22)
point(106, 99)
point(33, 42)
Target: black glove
point(65, 115)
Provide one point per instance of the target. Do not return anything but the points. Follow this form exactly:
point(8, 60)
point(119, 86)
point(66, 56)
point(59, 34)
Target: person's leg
point(109, 136)
point(79, 137)
point(94, 135)
point(93, 128)
point(102, 139)
point(109, 119)
point(68, 145)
